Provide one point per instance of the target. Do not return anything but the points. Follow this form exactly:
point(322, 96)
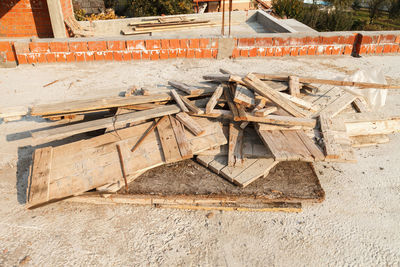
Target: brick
point(395, 48)
point(194, 43)
point(278, 41)
point(155, 55)
point(136, 55)
point(78, 46)
point(336, 50)
point(397, 41)
point(97, 46)
point(261, 52)
point(366, 39)
point(98, 56)
point(297, 41)
point(286, 51)
point(50, 57)
point(387, 39)
point(59, 47)
point(41, 58)
point(320, 50)
point(204, 43)
point(79, 56)
point(22, 59)
point(246, 42)
point(108, 56)
point(294, 51)
point(39, 47)
point(172, 53)
point(174, 44)
point(313, 40)
point(347, 39)
point(214, 43)
point(278, 51)
point(135, 45)
point(164, 54)
point(117, 55)
point(330, 40)
point(152, 44)
point(145, 55)
point(190, 53)
point(10, 56)
point(270, 52)
point(235, 53)
point(328, 50)
point(181, 53)
point(70, 57)
point(379, 49)
point(198, 53)
point(184, 43)
point(31, 58)
point(371, 49)
point(348, 50)
point(164, 44)
point(126, 55)
point(207, 53)
point(244, 53)
point(387, 48)
point(5, 46)
point(116, 45)
point(253, 52)
point(60, 57)
point(89, 56)
point(214, 53)
point(262, 42)
point(303, 51)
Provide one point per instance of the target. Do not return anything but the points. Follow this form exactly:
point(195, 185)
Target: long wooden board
point(69, 130)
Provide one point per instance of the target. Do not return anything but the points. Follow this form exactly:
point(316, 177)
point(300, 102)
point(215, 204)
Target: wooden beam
point(180, 136)
point(265, 111)
point(285, 120)
point(214, 99)
point(191, 106)
point(179, 101)
point(189, 123)
point(62, 132)
point(294, 86)
point(244, 96)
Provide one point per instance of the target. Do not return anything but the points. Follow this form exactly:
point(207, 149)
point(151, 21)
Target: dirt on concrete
point(357, 224)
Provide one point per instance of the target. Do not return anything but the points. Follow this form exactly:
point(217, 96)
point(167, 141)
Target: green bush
point(288, 8)
point(142, 8)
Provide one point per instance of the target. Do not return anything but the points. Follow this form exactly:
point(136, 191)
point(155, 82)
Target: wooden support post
point(294, 86)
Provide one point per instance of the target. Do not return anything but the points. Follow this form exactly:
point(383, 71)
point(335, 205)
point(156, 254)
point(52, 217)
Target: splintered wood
point(240, 128)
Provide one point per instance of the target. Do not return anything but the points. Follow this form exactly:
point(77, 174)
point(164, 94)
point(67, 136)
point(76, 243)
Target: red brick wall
point(24, 18)
point(277, 45)
point(66, 6)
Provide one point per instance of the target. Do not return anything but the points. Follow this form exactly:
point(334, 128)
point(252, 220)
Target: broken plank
point(179, 101)
point(285, 120)
point(62, 132)
point(189, 123)
point(214, 99)
point(232, 106)
point(185, 88)
point(294, 86)
point(244, 96)
point(168, 141)
point(235, 145)
point(265, 111)
point(369, 140)
point(338, 105)
point(298, 101)
point(180, 136)
point(258, 86)
point(191, 106)
point(360, 105)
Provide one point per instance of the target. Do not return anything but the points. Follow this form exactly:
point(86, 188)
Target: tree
point(375, 7)
point(141, 8)
point(394, 9)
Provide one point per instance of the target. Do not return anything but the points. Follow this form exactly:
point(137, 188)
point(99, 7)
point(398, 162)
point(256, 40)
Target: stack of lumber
point(258, 134)
point(166, 24)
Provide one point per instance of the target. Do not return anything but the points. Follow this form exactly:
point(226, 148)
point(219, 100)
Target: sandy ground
point(357, 224)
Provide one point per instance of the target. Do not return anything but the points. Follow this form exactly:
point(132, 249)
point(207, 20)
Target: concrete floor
point(357, 224)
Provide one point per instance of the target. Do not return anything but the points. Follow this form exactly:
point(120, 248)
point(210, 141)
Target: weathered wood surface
point(69, 130)
point(214, 99)
point(87, 164)
point(179, 101)
point(190, 123)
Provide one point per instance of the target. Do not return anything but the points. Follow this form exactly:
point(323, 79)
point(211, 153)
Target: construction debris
point(245, 129)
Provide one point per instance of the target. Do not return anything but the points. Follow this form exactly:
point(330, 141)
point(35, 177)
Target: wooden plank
point(191, 106)
point(360, 105)
point(62, 132)
point(235, 145)
point(300, 102)
point(168, 141)
point(95, 104)
point(361, 85)
point(285, 120)
point(265, 111)
point(217, 114)
point(40, 177)
point(214, 99)
point(338, 105)
point(369, 123)
point(294, 86)
point(274, 127)
point(179, 101)
point(189, 123)
point(183, 143)
point(217, 77)
point(264, 90)
point(244, 96)
point(369, 140)
point(232, 106)
point(259, 168)
point(185, 88)
point(311, 146)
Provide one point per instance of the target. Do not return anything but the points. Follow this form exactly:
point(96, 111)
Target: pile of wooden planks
point(166, 24)
point(244, 128)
